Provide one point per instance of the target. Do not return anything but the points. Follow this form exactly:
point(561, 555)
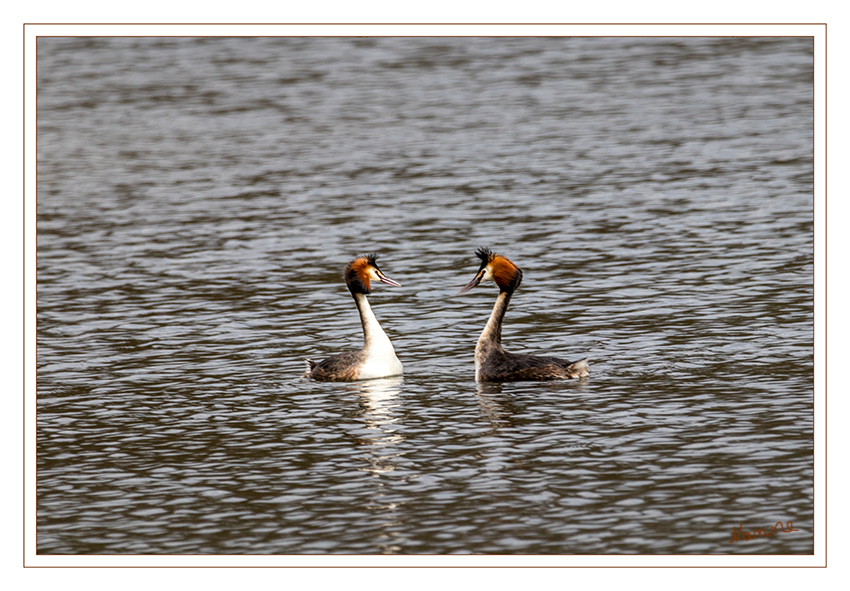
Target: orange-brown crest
point(357, 274)
point(505, 274)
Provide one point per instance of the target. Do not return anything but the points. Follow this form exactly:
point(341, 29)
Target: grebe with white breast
point(377, 358)
point(492, 362)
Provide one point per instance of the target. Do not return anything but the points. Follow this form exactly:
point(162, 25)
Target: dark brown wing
point(338, 368)
point(514, 367)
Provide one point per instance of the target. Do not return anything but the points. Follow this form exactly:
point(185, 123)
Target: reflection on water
point(495, 406)
point(199, 198)
point(381, 410)
point(380, 404)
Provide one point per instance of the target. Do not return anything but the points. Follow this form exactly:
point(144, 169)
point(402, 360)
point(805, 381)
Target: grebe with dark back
point(492, 362)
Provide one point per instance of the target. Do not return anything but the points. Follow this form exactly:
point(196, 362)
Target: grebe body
point(492, 362)
point(377, 358)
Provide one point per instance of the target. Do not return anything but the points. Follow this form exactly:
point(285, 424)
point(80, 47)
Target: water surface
point(198, 199)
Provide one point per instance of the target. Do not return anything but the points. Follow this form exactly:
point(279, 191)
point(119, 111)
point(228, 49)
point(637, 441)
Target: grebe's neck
point(379, 359)
point(492, 334)
point(373, 335)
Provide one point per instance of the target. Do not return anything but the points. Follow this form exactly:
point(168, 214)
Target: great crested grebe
point(377, 358)
point(492, 362)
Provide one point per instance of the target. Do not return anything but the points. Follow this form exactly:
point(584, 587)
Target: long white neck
point(380, 355)
point(373, 335)
point(491, 336)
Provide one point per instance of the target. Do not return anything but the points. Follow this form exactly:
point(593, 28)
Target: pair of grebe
point(377, 358)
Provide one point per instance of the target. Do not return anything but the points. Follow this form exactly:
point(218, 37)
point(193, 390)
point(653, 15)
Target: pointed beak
point(475, 281)
point(387, 280)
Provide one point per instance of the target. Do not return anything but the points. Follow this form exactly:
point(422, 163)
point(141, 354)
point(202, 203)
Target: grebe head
point(497, 268)
point(360, 272)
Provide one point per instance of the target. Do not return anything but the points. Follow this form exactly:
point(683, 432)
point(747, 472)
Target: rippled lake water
point(198, 199)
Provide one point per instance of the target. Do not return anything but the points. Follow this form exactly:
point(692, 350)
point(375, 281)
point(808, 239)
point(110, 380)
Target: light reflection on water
point(198, 199)
point(379, 399)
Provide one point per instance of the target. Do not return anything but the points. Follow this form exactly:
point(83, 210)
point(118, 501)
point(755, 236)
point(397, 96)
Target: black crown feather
point(485, 254)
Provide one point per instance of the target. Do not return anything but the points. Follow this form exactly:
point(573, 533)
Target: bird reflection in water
point(378, 402)
point(500, 407)
point(497, 407)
